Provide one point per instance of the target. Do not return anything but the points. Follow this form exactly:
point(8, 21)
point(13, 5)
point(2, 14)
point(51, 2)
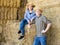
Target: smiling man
point(40, 22)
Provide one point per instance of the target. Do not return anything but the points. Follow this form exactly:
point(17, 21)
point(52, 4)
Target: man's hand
point(43, 31)
point(47, 28)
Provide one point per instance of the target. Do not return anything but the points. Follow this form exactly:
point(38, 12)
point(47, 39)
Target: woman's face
point(30, 7)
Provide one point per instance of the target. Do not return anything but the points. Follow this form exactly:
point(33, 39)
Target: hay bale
point(11, 36)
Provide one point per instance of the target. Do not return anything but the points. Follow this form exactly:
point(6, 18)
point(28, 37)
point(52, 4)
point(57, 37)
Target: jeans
point(40, 40)
point(22, 26)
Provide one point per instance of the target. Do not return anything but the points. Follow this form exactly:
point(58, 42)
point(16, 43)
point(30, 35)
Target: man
point(40, 23)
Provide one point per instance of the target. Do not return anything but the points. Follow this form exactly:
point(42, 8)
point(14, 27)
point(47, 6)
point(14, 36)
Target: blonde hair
point(38, 8)
point(27, 5)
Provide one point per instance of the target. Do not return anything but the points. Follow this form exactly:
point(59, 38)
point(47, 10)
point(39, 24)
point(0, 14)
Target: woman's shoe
point(19, 32)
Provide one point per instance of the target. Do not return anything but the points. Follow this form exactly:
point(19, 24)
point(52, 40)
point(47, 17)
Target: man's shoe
point(19, 32)
point(21, 37)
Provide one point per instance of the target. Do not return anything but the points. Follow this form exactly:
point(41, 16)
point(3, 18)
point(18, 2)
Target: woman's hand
point(29, 26)
point(29, 22)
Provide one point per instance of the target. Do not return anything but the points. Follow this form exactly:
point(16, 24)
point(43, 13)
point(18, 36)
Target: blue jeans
point(22, 26)
point(40, 40)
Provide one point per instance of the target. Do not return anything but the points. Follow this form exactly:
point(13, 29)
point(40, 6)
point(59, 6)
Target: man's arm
point(33, 18)
point(48, 26)
point(46, 21)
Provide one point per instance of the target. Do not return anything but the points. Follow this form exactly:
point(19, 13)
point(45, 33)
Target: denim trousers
point(40, 40)
point(22, 26)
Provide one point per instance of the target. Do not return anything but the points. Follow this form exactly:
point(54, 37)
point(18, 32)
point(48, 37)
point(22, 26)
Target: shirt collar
point(31, 12)
point(39, 16)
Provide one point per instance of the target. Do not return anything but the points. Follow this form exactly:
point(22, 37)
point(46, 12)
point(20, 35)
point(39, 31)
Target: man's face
point(30, 7)
point(38, 12)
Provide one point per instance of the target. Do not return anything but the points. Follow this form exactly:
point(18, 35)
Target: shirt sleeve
point(25, 16)
point(33, 22)
point(34, 16)
point(45, 20)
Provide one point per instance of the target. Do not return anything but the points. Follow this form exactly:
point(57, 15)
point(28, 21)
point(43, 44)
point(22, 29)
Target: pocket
point(44, 38)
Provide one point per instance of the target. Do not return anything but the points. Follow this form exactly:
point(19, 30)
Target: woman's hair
point(27, 5)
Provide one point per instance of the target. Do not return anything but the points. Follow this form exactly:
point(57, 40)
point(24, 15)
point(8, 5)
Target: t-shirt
point(40, 25)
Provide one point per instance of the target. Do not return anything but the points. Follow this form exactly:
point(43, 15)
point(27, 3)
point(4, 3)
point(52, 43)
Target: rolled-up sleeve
point(45, 20)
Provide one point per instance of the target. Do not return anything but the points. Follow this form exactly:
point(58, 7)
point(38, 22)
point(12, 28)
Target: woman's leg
point(22, 26)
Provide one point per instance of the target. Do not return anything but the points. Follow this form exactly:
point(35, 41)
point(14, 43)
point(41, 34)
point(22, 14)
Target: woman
point(28, 17)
